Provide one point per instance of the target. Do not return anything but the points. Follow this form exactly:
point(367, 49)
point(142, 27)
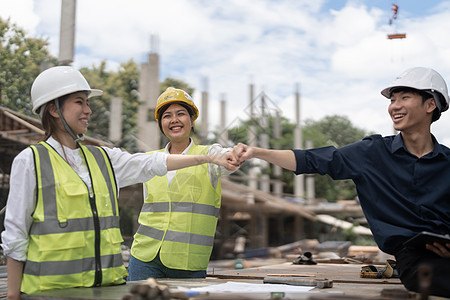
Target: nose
point(173, 118)
point(394, 105)
point(87, 109)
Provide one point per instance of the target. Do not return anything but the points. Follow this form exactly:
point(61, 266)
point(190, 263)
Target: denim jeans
point(409, 260)
point(141, 270)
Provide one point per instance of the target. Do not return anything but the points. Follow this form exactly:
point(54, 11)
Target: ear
point(52, 110)
point(431, 106)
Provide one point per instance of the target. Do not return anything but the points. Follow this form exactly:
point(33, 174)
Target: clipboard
point(423, 238)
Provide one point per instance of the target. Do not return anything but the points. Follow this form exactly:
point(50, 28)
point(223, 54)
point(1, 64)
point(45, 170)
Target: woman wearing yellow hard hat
point(62, 217)
point(179, 216)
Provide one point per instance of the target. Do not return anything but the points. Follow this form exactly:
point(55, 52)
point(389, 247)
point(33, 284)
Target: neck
point(66, 140)
point(419, 144)
point(177, 147)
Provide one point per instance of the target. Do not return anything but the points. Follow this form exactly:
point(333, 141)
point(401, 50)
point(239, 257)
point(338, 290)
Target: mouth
point(398, 116)
point(176, 128)
point(85, 121)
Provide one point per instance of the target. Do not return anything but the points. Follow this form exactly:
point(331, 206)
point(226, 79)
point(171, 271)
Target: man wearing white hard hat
point(402, 180)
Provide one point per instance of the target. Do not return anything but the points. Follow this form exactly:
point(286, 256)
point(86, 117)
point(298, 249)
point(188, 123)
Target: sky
point(334, 52)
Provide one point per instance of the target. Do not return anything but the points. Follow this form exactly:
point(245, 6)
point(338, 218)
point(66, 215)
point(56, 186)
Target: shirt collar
point(185, 151)
point(397, 144)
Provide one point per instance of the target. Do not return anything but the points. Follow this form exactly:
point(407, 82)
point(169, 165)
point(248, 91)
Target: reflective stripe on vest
point(66, 267)
point(195, 208)
point(179, 220)
point(73, 237)
point(176, 236)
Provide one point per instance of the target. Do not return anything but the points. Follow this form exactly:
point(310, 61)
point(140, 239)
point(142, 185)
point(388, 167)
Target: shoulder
point(378, 139)
point(24, 155)
point(444, 149)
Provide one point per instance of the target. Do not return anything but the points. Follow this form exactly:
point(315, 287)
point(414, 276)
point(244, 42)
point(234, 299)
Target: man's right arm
point(283, 158)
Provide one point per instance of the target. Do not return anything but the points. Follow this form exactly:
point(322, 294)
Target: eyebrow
point(181, 109)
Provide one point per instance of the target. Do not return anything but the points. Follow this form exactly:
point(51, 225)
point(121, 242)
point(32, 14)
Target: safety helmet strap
point(78, 138)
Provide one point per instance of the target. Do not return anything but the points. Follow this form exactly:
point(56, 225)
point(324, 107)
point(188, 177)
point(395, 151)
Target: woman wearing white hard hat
point(179, 216)
point(62, 222)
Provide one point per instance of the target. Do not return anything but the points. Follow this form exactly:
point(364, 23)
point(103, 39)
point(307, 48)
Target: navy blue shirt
point(400, 193)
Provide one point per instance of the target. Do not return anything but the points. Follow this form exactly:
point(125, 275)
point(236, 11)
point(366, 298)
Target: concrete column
point(298, 228)
point(264, 143)
point(278, 185)
point(299, 186)
point(115, 122)
point(251, 141)
point(148, 130)
point(67, 32)
point(310, 185)
point(223, 136)
point(204, 114)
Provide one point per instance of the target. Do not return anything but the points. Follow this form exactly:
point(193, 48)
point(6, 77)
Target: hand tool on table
point(319, 283)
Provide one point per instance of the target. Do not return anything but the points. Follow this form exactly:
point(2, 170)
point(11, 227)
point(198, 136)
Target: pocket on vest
point(64, 247)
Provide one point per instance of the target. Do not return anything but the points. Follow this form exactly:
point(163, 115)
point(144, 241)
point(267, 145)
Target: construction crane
point(391, 21)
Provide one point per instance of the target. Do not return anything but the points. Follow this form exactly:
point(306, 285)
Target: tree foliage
point(124, 84)
point(21, 60)
point(331, 130)
point(176, 83)
point(337, 131)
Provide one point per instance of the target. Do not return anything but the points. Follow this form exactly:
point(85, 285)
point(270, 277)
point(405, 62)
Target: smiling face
point(76, 112)
point(409, 112)
point(176, 123)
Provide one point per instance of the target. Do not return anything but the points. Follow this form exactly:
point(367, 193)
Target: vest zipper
point(98, 264)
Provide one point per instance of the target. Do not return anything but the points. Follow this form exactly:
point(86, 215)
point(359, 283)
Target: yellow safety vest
point(179, 220)
point(74, 240)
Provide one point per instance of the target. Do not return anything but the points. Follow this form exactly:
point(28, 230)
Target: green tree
point(124, 84)
point(127, 80)
point(331, 130)
point(178, 84)
point(240, 132)
point(337, 131)
point(99, 78)
point(21, 58)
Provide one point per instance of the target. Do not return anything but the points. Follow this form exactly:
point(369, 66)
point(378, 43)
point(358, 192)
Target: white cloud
point(341, 57)
point(21, 13)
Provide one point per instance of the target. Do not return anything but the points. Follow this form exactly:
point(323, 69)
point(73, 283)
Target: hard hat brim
point(95, 93)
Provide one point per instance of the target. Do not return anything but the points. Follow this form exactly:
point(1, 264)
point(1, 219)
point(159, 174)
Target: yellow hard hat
point(175, 95)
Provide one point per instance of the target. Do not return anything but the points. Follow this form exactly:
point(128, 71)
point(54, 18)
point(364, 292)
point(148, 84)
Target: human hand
point(228, 160)
point(243, 152)
point(440, 249)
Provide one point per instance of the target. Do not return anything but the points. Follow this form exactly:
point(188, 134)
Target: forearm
point(15, 272)
point(178, 161)
point(283, 158)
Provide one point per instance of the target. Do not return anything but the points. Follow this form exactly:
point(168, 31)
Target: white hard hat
point(424, 79)
point(56, 82)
